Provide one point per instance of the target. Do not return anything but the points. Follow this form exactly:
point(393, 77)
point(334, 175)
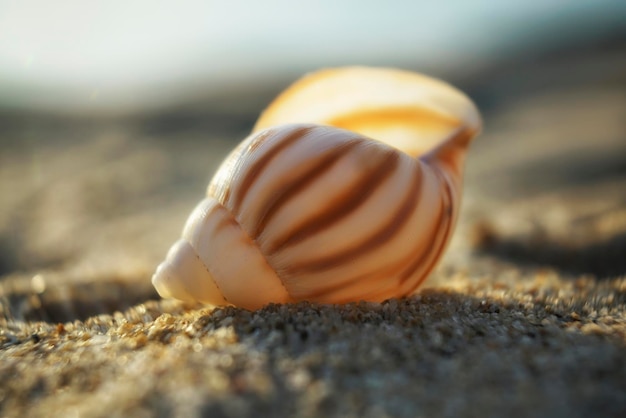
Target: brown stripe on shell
point(463, 138)
point(320, 293)
point(384, 234)
point(255, 170)
point(400, 268)
point(298, 184)
point(340, 207)
point(385, 272)
point(440, 239)
point(220, 184)
point(373, 295)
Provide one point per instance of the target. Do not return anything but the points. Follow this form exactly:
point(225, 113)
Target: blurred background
point(113, 116)
point(119, 56)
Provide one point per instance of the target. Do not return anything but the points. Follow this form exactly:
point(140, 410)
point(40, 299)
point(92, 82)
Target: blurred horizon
point(116, 58)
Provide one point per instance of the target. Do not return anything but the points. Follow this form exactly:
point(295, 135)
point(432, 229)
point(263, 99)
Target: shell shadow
point(428, 318)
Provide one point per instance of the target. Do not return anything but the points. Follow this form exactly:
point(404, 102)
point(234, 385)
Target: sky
point(69, 53)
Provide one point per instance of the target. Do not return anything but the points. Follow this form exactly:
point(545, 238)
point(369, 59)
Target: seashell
point(310, 207)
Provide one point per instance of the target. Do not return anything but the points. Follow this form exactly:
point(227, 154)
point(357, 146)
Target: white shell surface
point(310, 211)
point(333, 212)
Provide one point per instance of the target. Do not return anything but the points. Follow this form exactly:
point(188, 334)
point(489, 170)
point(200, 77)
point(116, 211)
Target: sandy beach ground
point(525, 315)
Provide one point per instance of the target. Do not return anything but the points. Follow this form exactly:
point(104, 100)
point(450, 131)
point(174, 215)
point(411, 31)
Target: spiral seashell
point(310, 207)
